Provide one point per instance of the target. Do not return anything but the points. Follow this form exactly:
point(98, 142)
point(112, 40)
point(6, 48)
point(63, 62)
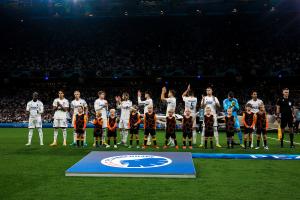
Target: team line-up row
point(105, 125)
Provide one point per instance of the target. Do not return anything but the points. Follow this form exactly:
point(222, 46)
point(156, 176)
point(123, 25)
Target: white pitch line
point(283, 140)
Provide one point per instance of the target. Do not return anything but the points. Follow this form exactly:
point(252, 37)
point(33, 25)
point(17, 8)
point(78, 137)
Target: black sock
point(77, 141)
point(258, 142)
point(115, 141)
point(245, 144)
point(96, 142)
point(184, 143)
point(250, 143)
point(190, 142)
point(281, 142)
point(228, 142)
point(137, 141)
point(175, 141)
point(265, 143)
point(205, 144)
point(108, 141)
point(166, 142)
point(81, 142)
point(145, 141)
point(130, 141)
point(292, 139)
point(211, 144)
point(100, 142)
point(154, 142)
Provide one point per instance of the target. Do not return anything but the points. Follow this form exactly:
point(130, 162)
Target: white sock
point(74, 136)
point(55, 135)
point(41, 135)
point(194, 137)
point(149, 138)
point(84, 137)
point(171, 141)
point(30, 133)
point(122, 135)
point(64, 130)
point(216, 133)
point(125, 136)
point(252, 138)
point(202, 136)
point(103, 135)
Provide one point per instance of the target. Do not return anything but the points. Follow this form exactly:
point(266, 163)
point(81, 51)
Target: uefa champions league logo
point(136, 161)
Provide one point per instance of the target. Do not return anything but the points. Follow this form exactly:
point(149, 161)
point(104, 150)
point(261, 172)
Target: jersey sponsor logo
point(136, 161)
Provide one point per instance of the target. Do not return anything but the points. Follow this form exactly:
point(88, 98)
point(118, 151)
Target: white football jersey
point(211, 102)
point(60, 114)
point(101, 105)
point(191, 103)
point(255, 105)
point(35, 108)
point(75, 104)
point(125, 109)
point(146, 103)
point(171, 101)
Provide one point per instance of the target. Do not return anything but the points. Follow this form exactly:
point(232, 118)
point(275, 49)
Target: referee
point(285, 115)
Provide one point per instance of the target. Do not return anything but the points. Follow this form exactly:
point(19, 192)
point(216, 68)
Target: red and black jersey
point(150, 121)
point(80, 121)
point(249, 118)
point(112, 121)
point(261, 120)
point(187, 124)
point(133, 119)
point(98, 124)
point(229, 122)
point(209, 123)
point(171, 124)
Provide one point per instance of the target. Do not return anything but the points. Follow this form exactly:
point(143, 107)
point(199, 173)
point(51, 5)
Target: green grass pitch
point(38, 173)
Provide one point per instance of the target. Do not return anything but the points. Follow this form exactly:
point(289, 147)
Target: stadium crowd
point(147, 48)
point(152, 47)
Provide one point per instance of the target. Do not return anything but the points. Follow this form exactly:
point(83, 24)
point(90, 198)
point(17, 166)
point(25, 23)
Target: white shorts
point(60, 123)
point(104, 125)
point(216, 121)
point(124, 123)
point(194, 120)
point(35, 123)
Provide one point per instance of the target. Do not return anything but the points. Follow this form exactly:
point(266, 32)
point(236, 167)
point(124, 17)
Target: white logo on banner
point(136, 161)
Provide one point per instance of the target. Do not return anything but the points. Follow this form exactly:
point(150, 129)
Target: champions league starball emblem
point(136, 161)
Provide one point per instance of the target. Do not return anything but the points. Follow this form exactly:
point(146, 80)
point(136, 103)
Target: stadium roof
point(114, 8)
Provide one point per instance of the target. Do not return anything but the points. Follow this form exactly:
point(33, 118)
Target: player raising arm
point(61, 107)
point(147, 102)
point(35, 108)
point(171, 105)
point(125, 104)
point(190, 102)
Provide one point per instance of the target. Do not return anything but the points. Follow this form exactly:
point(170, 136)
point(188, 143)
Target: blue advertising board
point(247, 156)
point(135, 164)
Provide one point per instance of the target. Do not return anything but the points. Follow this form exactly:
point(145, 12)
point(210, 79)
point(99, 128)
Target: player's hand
point(139, 93)
point(164, 90)
point(189, 87)
point(118, 98)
